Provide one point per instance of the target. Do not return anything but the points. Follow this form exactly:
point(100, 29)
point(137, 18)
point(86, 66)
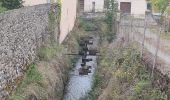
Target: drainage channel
point(80, 85)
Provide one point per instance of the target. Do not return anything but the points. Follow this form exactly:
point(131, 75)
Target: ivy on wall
point(54, 20)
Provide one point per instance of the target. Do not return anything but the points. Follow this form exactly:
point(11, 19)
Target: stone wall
point(22, 32)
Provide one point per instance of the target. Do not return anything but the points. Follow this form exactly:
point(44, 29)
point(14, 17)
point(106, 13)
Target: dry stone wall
point(22, 32)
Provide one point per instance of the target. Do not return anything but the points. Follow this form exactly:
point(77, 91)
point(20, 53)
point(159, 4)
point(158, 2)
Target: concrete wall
point(22, 32)
point(138, 7)
point(68, 17)
point(99, 5)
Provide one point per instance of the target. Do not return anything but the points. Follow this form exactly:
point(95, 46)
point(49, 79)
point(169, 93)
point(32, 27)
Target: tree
point(160, 5)
point(11, 4)
point(111, 15)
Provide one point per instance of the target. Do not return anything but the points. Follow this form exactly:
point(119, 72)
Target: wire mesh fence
point(144, 30)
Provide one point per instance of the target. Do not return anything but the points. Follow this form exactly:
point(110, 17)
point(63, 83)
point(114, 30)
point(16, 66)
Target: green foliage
point(54, 20)
point(17, 97)
point(139, 87)
point(2, 9)
point(32, 75)
point(11, 4)
point(87, 25)
point(131, 79)
point(48, 52)
point(97, 80)
point(157, 95)
point(168, 10)
point(96, 83)
point(160, 5)
point(111, 15)
point(59, 10)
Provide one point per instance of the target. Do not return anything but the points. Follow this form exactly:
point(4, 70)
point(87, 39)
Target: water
point(79, 86)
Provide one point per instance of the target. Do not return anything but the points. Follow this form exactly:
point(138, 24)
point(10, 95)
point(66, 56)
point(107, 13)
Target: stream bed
point(79, 86)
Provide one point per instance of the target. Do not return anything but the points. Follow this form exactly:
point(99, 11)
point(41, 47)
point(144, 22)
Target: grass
point(96, 83)
point(41, 76)
point(48, 52)
point(165, 35)
point(131, 80)
point(31, 77)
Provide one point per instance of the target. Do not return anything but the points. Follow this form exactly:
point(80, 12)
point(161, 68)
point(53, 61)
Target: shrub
point(2, 9)
point(87, 25)
point(11, 4)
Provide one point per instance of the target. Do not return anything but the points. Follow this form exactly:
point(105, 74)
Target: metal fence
point(144, 30)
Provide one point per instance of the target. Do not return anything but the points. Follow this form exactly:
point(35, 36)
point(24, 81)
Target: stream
point(80, 85)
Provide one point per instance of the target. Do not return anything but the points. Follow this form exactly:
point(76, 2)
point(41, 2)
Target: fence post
point(127, 28)
point(118, 26)
point(156, 53)
point(143, 41)
point(131, 28)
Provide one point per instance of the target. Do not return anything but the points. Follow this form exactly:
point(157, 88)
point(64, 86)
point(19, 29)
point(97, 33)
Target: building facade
point(136, 7)
point(68, 17)
point(92, 5)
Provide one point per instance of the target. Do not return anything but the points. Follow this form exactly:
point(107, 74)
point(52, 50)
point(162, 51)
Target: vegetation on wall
point(54, 20)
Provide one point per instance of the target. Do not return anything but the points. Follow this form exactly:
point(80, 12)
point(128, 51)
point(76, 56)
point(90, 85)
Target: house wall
point(138, 7)
point(68, 17)
point(99, 5)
